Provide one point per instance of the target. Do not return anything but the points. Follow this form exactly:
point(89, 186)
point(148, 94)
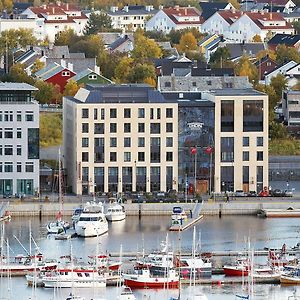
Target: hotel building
point(19, 140)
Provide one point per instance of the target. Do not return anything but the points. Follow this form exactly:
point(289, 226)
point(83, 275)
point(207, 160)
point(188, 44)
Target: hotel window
point(19, 133)
point(113, 156)
point(127, 156)
point(8, 133)
point(85, 156)
point(113, 113)
point(113, 142)
point(169, 142)
point(19, 150)
point(95, 113)
point(127, 113)
point(85, 142)
point(227, 116)
point(127, 142)
point(102, 114)
point(127, 127)
point(155, 128)
point(245, 155)
point(169, 156)
point(8, 167)
point(253, 115)
point(141, 113)
point(141, 142)
point(259, 141)
point(8, 150)
point(245, 141)
point(85, 127)
point(113, 127)
point(141, 127)
point(19, 167)
point(99, 128)
point(29, 116)
point(169, 112)
point(259, 156)
point(169, 127)
point(85, 113)
point(141, 156)
point(227, 149)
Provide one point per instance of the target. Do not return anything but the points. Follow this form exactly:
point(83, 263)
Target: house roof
point(109, 37)
point(119, 41)
point(173, 12)
point(49, 71)
point(230, 16)
point(263, 60)
point(79, 64)
point(16, 86)
point(293, 63)
point(274, 2)
point(133, 10)
point(239, 49)
point(286, 39)
point(209, 8)
point(212, 72)
point(86, 72)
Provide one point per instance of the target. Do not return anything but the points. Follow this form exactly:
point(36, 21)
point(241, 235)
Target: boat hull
point(136, 284)
point(232, 271)
point(90, 230)
point(115, 217)
point(289, 280)
point(70, 284)
point(24, 270)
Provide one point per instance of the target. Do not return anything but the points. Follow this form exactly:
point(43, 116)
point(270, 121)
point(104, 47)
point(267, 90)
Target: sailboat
point(59, 226)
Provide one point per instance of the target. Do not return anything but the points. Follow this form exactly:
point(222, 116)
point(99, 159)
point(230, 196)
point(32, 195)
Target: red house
point(56, 74)
point(265, 65)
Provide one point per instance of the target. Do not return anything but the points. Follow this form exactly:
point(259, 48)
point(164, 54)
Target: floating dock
point(290, 212)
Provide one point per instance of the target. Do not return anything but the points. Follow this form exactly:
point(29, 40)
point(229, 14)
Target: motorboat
point(76, 214)
point(57, 227)
point(281, 259)
point(103, 262)
point(73, 297)
point(239, 268)
point(92, 221)
point(179, 216)
point(144, 279)
point(126, 294)
point(78, 278)
point(187, 265)
point(265, 273)
point(290, 277)
point(115, 212)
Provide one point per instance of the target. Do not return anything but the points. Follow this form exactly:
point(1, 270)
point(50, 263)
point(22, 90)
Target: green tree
point(97, 23)
point(279, 83)
point(296, 25)
point(245, 68)
point(174, 36)
point(18, 74)
point(71, 88)
point(257, 39)
point(123, 70)
point(220, 56)
point(66, 37)
point(187, 42)
point(47, 92)
point(284, 54)
point(37, 65)
point(140, 72)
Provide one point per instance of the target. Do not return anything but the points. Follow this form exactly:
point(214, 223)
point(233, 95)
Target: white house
point(131, 17)
point(175, 18)
point(291, 70)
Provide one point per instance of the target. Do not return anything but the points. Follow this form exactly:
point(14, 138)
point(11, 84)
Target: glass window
point(245, 141)
point(227, 149)
point(127, 156)
point(141, 113)
point(85, 142)
point(253, 115)
point(85, 156)
point(19, 117)
point(127, 142)
point(19, 150)
point(158, 113)
point(169, 127)
point(113, 127)
point(19, 167)
point(141, 156)
point(127, 113)
point(259, 155)
point(85, 113)
point(169, 112)
point(33, 143)
point(85, 127)
point(227, 178)
point(151, 113)
point(99, 128)
point(155, 128)
point(227, 116)
point(259, 178)
point(102, 114)
point(8, 167)
point(155, 141)
point(127, 127)
point(169, 156)
point(113, 142)
point(113, 113)
point(1, 150)
point(259, 141)
point(169, 142)
point(29, 117)
point(141, 127)
point(245, 174)
point(29, 167)
point(8, 150)
point(245, 155)
point(95, 113)
point(113, 156)
point(8, 133)
point(141, 142)
point(19, 133)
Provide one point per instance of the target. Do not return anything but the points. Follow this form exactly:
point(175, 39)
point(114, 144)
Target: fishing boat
point(239, 268)
point(115, 212)
point(201, 267)
point(179, 216)
point(282, 258)
point(143, 279)
point(78, 278)
point(92, 221)
point(126, 294)
point(104, 262)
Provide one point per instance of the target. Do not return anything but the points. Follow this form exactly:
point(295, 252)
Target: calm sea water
point(227, 233)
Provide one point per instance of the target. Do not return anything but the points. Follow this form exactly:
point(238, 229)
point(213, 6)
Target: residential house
point(89, 76)
point(288, 5)
point(209, 8)
point(131, 17)
point(168, 50)
point(56, 74)
point(237, 50)
point(291, 107)
point(288, 40)
point(265, 65)
point(292, 16)
point(123, 44)
point(175, 18)
point(209, 45)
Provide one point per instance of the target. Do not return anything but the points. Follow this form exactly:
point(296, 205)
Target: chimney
point(185, 11)
point(70, 66)
point(176, 7)
point(53, 10)
point(97, 70)
point(63, 63)
point(125, 8)
point(67, 6)
point(161, 7)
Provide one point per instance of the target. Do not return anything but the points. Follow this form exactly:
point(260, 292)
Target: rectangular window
point(141, 127)
point(19, 133)
point(127, 113)
point(8, 150)
point(141, 156)
point(95, 113)
point(169, 156)
point(8, 133)
point(85, 142)
point(85, 128)
point(113, 156)
point(1, 150)
point(8, 167)
point(102, 114)
point(19, 150)
point(155, 128)
point(141, 142)
point(19, 117)
point(245, 141)
point(169, 142)
point(127, 127)
point(169, 112)
point(227, 178)
point(253, 115)
point(169, 127)
point(141, 113)
point(33, 145)
point(85, 156)
point(151, 113)
point(245, 155)
point(259, 178)
point(127, 142)
point(227, 116)
point(29, 117)
point(113, 127)
point(113, 113)
point(127, 156)
point(259, 141)
point(85, 113)
point(113, 142)
point(19, 167)
point(99, 128)
point(29, 167)
point(85, 174)
point(245, 174)
point(259, 155)
point(227, 149)
point(158, 113)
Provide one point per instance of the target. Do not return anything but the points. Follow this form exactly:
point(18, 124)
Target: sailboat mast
point(60, 191)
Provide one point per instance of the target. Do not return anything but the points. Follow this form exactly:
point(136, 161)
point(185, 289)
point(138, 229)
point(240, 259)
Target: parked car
point(160, 194)
point(252, 194)
point(7, 195)
point(240, 193)
point(288, 193)
point(277, 193)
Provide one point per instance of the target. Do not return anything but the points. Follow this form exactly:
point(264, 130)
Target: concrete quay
point(236, 207)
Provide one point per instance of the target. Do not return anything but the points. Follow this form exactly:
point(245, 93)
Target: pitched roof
point(239, 49)
point(79, 64)
point(212, 71)
point(263, 60)
point(230, 16)
point(86, 72)
point(282, 65)
point(49, 71)
point(119, 41)
point(209, 8)
point(286, 39)
point(274, 2)
point(174, 12)
point(133, 10)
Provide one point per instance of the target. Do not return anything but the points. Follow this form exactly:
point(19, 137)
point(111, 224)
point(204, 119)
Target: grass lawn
point(284, 147)
point(50, 129)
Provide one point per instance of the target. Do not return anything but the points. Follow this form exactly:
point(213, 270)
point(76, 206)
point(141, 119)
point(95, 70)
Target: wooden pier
point(290, 212)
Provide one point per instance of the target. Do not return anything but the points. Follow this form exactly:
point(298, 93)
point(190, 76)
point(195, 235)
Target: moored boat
point(104, 262)
point(126, 294)
point(239, 268)
point(179, 216)
point(188, 265)
point(290, 277)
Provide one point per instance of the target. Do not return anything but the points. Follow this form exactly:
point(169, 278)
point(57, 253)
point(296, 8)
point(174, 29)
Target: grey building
point(291, 107)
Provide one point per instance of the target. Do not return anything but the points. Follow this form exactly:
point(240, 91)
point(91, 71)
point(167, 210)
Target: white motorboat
point(92, 221)
point(179, 216)
point(126, 294)
point(57, 227)
point(188, 265)
point(115, 212)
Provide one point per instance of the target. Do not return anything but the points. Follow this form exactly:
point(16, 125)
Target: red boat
point(240, 268)
point(281, 259)
point(103, 262)
point(143, 279)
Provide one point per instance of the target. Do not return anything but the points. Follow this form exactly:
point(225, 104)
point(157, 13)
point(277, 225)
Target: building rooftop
point(16, 86)
point(286, 39)
point(237, 92)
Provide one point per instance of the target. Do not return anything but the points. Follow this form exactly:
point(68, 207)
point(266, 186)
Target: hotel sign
point(195, 126)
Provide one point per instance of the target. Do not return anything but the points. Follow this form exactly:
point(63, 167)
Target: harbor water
point(134, 234)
